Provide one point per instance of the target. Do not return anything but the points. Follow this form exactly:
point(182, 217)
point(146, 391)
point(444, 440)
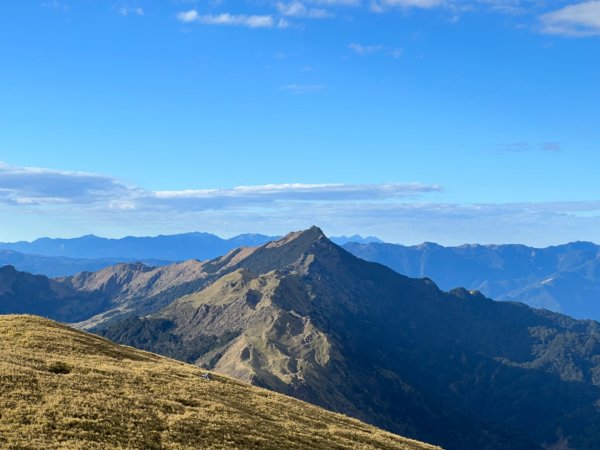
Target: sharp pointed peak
point(311, 234)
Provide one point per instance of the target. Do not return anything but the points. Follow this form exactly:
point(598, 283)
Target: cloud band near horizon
point(38, 202)
point(42, 187)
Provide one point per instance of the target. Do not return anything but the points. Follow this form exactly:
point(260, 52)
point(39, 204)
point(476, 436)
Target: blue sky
point(440, 120)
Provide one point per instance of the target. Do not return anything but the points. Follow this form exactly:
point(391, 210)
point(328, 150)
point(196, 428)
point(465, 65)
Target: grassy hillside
point(62, 388)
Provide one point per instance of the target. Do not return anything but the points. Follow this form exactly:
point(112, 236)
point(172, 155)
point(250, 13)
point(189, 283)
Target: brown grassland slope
point(63, 388)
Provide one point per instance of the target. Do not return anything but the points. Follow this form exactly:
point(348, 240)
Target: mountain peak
point(273, 255)
point(308, 236)
point(8, 268)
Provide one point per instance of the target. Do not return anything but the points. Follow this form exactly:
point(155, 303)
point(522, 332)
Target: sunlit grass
point(62, 388)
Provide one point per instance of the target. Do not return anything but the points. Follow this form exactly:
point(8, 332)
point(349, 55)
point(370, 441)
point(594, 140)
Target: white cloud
point(44, 201)
point(524, 147)
point(47, 188)
point(56, 5)
point(581, 19)
point(295, 88)
point(337, 2)
point(512, 7)
point(130, 11)
point(35, 186)
point(188, 16)
point(381, 5)
point(364, 49)
point(299, 192)
point(250, 21)
point(283, 24)
point(298, 9)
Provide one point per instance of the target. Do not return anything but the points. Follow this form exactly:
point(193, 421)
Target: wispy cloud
point(383, 5)
point(578, 20)
point(523, 147)
point(298, 9)
point(364, 49)
point(188, 16)
point(400, 212)
point(574, 20)
point(551, 147)
point(537, 224)
point(46, 187)
point(36, 186)
point(126, 10)
point(55, 4)
point(250, 21)
point(337, 2)
point(294, 192)
point(295, 88)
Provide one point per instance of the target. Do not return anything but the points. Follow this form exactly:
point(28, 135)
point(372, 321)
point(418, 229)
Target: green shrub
point(59, 368)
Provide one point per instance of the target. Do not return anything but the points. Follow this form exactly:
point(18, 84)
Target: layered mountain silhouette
point(61, 266)
point(177, 247)
point(564, 278)
point(66, 257)
point(155, 250)
point(304, 317)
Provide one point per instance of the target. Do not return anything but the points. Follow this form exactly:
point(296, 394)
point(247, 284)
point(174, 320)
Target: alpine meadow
point(300, 224)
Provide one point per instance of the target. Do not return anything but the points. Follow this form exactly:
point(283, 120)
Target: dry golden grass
point(65, 389)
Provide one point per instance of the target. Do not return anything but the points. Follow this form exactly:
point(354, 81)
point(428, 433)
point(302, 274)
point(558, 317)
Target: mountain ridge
point(62, 266)
point(173, 248)
point(564, 278)
point(178, 247)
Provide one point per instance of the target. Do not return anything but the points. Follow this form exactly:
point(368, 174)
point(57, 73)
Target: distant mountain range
point(564, 278)
point(304, 317)
point(341, 240)
point(64, 257)
point(58, 266)
point(177, 247)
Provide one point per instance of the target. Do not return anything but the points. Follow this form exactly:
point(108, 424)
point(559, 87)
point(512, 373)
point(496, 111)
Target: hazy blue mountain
point(564, 278)
point(177, 247)
point(65, 257)
point(61, 266)
point(341, 240)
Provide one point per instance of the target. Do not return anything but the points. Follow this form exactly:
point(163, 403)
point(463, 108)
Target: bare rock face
point(279, 346)
point(134, 280)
